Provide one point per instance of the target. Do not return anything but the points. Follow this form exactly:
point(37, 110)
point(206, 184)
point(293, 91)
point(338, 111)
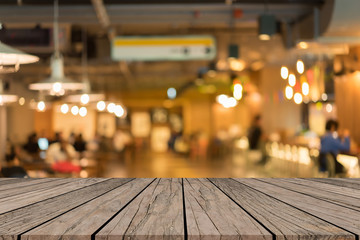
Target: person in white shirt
point(60, 151)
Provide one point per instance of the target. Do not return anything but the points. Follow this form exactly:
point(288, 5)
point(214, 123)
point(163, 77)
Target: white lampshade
point(57, 82)
point(12, 56)
point(7, 98)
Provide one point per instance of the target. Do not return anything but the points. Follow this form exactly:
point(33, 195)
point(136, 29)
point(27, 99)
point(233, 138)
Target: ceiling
point(234, 23)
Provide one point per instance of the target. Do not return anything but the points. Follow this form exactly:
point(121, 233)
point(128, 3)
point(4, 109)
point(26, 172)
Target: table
point(206, 209)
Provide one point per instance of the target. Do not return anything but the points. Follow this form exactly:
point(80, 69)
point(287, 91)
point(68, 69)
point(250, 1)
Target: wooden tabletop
point(206, 209)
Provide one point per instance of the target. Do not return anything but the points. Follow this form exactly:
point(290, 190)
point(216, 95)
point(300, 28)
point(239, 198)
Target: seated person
point(332, 144)
point(32, 146)
point(60, 152)
point(80, 144)
point(12, 168)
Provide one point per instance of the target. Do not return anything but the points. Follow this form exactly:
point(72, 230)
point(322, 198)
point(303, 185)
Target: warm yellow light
point(329, 108)
point(111, 107)
point(264, 37)
point(41, 106)
point(84, 99)
point(101, 105)
point(289, 92)
point(119, 111)
point(300, 66)
point(57, 87)
point(64, 108)
point(292, 80)
point(21, 101)
point(284, 72)
point(298, 98)
point(82, 111)
point(236, 64)
point(324, 96)
point(221, 98)
point(303, 45)
point(305, 88)
point(238, 91)
point(75, 110)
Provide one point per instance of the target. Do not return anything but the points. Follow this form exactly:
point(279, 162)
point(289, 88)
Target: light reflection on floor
point(173, 165)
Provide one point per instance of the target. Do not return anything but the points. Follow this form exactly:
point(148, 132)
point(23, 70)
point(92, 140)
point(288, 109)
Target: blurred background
point(178, 88)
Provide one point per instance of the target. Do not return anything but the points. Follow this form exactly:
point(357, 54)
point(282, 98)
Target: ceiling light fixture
point(57, 84)
point(267, 26)
point(6, 98)
point(87, 95)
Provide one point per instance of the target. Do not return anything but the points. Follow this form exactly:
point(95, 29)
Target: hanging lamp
point(57, 84)
point(12, 57)
point(6, 98)
point(87, 95)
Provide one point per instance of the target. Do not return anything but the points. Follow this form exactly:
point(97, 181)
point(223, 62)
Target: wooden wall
point(347, 99)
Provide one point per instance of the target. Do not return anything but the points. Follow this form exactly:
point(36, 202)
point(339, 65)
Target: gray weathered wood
point(346, 201)
point(337, 215)
point(82, 222)
point(219, 209)
point(13, 202)
point(326, 187)
point(7, 181)
point(337, 182)
point(157, 213)
point(285, 221)
point(212, 215)
point(21, 220)
point(26, 183)
point(23, 189)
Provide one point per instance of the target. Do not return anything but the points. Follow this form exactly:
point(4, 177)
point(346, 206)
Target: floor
point(174, 165)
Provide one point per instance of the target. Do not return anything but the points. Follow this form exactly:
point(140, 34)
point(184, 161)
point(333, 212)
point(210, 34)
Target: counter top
point(173, 208)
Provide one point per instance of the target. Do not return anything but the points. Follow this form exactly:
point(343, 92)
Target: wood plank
point(351, 180)
point(21, 220)
point(156, 212)
point(283, 220)
point(326, 187)
point(13, 202)
point(24, 188)
point(337, 182)
point(346, 201)
point(7, 181)
point(345, 218)
point(212, 215)
point(26, 183)
point(82, 222)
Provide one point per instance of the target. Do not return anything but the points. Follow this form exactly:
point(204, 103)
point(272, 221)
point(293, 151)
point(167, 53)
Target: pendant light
point(87, 95)
point(57, 84)
point(6, 98)
point(12, 57)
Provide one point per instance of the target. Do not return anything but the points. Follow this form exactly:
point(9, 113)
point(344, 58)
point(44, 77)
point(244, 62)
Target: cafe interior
point(179, 88)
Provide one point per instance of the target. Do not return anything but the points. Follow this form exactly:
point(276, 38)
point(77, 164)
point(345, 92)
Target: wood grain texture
point(7, 181)
point(21, 220)
point(346, 201)
point(326, 187)
point(283, 220)
point(212, 215)
point(338, 182)
point(18, 201)
point(83, 221)
point(172, 209)
point(157, 213)
point(23, 188)
point(345, 218)
point(26, 183)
